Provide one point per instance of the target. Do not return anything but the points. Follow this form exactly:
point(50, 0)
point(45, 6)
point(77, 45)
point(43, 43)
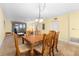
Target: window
point(20, 27)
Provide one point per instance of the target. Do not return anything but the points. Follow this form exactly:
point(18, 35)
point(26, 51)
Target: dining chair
point(53, 34)
point(46, 45)
point(55, 39)
point(22, 48)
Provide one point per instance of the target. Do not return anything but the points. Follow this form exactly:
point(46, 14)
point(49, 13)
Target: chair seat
point(38, 48)
point(23, 48)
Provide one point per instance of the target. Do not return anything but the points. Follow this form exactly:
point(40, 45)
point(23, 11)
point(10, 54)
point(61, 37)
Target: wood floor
point(65, 49)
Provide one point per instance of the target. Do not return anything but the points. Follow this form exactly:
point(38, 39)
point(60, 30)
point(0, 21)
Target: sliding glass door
point(20, 27)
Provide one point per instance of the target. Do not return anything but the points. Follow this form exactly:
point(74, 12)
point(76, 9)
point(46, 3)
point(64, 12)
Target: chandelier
point(41, 8)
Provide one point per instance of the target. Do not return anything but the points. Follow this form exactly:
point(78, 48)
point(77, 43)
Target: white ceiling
point(31, 10)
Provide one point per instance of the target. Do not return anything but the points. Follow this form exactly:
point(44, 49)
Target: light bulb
point(41, 20)
point(36, 20)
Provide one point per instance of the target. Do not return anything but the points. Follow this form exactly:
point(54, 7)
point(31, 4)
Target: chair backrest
point(47, 42)
point(16, 43)
point(55, 38)
point(53, 33)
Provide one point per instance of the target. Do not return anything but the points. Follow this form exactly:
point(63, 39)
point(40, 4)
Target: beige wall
point(74, 24)
point(8, 26)
point(2, 35)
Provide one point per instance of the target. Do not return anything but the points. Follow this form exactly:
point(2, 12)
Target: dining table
point(33, 40)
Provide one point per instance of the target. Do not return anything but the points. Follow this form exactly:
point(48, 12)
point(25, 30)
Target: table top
point(33, 38)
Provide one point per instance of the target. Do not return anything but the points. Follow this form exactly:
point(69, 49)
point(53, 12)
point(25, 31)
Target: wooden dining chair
point(53, 34)
point(22, 48)
point(46, 45)
point(55, 39)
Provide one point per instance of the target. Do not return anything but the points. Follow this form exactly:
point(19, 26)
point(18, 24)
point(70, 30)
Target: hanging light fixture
point(39, 20)
point(41, 8)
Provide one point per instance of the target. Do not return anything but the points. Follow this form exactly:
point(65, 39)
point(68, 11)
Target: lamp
point(41, 8)
point(40, 19)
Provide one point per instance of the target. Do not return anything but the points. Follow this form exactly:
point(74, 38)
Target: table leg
point(32, 50)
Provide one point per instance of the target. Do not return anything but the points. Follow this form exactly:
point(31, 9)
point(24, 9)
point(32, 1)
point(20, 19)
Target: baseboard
point(69, 42)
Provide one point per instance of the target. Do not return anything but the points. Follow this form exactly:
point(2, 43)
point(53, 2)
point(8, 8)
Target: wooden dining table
point(33, 40)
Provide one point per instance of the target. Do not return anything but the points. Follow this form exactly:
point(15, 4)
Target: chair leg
point(53, 51)
point(56, 49)
point(49, 52)
point(17, 54)
point(42, 52)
